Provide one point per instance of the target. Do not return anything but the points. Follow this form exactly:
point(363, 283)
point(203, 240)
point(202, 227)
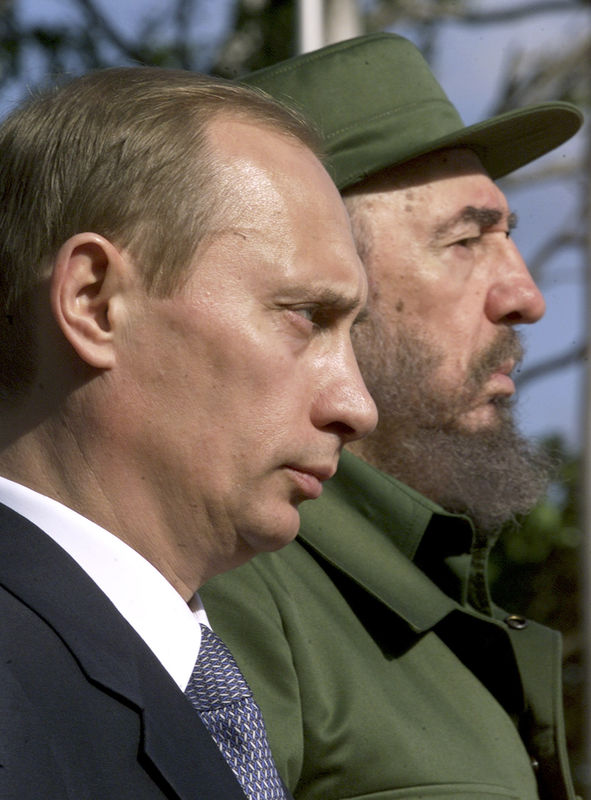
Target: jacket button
point(535, 764)
point(516, 621)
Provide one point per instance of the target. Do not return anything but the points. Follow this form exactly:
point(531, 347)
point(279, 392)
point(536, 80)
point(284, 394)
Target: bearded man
point(382, 666)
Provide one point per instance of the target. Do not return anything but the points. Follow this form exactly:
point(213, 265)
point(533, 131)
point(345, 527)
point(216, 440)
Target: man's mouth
point(309, 479)
point(500, 381)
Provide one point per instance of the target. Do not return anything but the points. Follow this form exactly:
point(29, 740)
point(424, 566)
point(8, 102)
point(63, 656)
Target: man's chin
point(484, 418)
point(490, 416)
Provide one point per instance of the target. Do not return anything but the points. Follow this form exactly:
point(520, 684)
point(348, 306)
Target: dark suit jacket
point(86, 710)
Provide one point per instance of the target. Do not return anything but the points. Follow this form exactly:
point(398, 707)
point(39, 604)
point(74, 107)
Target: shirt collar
point(142, 595)
point(405, 515)
point(370, 526)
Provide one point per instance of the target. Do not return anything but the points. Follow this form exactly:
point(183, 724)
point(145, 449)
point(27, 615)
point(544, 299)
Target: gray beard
point(491, 474)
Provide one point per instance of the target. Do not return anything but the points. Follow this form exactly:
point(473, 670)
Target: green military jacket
point(380, 673)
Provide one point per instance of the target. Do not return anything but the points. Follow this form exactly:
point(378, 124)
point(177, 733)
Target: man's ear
point(88, 279)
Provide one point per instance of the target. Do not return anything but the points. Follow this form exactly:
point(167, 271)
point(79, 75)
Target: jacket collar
point(370, 527)
point(37, 570)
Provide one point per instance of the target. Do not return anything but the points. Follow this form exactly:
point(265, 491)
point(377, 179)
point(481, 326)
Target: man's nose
point(514, 297)
point(345, 405)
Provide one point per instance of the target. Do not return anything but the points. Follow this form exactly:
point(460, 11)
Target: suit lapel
point(45, 578)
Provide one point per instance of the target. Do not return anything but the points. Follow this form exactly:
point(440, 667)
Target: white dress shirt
point(141, 594)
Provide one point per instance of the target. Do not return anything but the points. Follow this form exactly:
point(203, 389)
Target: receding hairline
point(122, 152)
point(150, 93)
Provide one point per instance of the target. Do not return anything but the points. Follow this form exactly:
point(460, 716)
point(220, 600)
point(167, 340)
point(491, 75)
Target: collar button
point(516, 622)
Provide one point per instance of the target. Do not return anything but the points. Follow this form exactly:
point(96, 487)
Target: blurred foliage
point(264, 33)
point(536, 570)
point(554, 525)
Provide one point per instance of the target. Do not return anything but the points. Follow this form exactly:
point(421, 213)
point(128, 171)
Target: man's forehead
point(439, 164)
point(267, 257)
point(446, 188)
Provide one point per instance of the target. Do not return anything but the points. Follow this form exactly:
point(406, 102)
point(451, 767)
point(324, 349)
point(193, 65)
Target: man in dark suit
point(179, 283)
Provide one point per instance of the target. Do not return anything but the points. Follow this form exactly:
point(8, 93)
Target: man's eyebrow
point(483, 217)
point(327, 298)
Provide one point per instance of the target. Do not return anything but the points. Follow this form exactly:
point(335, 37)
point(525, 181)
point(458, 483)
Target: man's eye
point(468, 241)
point(307, 313)
point(314, 317)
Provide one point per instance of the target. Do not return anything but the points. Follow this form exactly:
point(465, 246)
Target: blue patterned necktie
point(219, 692)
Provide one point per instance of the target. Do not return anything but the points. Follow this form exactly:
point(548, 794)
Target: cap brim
point(511, 140)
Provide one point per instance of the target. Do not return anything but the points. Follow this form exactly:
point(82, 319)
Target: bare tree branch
point(544, 368)
point(562, 170)
point(387, 12)
point(99, 21)
point(551, 248)
point(519, 12)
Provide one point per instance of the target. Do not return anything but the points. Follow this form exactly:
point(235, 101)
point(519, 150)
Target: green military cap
point(376, 104)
